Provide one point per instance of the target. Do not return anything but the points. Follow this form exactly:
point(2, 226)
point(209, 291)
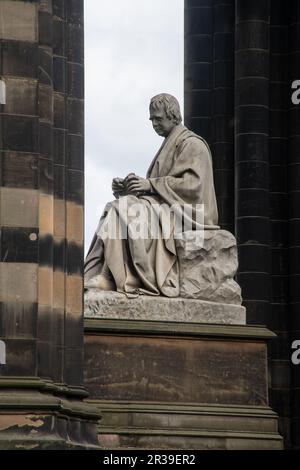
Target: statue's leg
point(96, 271)
point(94, 259)
point(102, 281)
point(116, 246)
point(120, 260)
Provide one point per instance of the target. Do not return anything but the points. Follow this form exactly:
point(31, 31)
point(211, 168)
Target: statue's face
point(160, 122)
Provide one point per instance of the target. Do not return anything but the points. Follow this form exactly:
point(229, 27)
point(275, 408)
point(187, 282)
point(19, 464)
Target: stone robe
point(181, 173)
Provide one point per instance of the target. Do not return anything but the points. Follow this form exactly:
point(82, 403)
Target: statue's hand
point(117, 185)
point(135, 184)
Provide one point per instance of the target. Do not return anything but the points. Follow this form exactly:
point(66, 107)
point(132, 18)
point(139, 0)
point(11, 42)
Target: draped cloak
point(181, 173)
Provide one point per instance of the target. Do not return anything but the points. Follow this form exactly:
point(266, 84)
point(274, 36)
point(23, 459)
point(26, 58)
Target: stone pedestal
point(178, 384)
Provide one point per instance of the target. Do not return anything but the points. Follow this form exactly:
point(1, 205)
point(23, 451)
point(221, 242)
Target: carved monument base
point(177, 384)
point(38, 414)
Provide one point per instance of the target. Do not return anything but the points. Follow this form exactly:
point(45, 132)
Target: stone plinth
point(102, 304)
point(171, 385)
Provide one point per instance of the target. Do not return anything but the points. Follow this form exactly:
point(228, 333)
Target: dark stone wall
point(241, 58)
point(293, 214)
point(209, 85)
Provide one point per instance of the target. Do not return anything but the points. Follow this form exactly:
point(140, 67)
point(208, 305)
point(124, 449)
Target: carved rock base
point(107, 304)
point(207, 272)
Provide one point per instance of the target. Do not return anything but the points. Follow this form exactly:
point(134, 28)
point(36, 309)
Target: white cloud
point(133, 50)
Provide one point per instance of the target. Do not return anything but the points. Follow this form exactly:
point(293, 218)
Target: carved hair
point(170, 105)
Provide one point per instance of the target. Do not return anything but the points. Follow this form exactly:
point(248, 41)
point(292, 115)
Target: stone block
point(46, 210)
point(59, 37)
point(45, 139)
point(19, 59)
point(19, 245)
point(59, 182)
point(207, 269)
point(19, 170)
point(46, 183)
point(74, 255)
point(74, 295)
point(59, 74)
point(18, 320)
point(74, 225)
point(18, 21)
point(45, 29)
point(103, 304)
point(45, 283)
point(75, 116)
point(75, 186)
point(76, 80)
point(59, 146)
point(19, 207)
point(18, 282)
point(59, 111)
point(45, 97)
point(75, 152)
point(21, 96)
point(20, 357)
point(75, 44)
point(20, 133)
point(45, 66)
point(59, 218)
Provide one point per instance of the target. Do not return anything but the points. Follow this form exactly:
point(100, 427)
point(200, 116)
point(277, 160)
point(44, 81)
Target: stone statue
point(178, 198)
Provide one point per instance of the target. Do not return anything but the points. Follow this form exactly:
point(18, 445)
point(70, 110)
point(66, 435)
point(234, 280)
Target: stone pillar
point(41, 217)
point(294, 215)
point(209, 101)
point(252, 154)
point(223, 111)
point(279, 319)
point(198, 59)
point(266, 148)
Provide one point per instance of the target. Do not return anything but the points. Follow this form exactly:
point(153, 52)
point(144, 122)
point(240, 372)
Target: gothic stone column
point(208, 91)
point(41, 216)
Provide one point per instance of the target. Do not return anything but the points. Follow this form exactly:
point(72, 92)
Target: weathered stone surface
point(18, 20)
point(107, 304)
point(19, 207)
point(207, 269)
point(18, 282)
point(159, 388)
point(21, 96)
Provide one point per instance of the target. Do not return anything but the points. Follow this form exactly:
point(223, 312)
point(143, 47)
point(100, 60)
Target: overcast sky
point(133, 51)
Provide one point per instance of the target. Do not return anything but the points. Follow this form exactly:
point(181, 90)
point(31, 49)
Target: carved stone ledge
point(107, 304)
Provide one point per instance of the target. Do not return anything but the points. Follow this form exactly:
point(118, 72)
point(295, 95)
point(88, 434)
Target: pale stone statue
point(180, 176)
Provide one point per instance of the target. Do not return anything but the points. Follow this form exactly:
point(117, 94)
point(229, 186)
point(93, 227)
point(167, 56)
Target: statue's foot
point(100, 282)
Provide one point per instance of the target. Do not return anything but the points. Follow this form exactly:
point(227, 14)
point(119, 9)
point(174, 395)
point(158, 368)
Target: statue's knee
point(108, 205)
point(124, 201)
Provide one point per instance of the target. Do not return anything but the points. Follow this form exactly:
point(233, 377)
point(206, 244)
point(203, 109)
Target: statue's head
point(164, 113)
